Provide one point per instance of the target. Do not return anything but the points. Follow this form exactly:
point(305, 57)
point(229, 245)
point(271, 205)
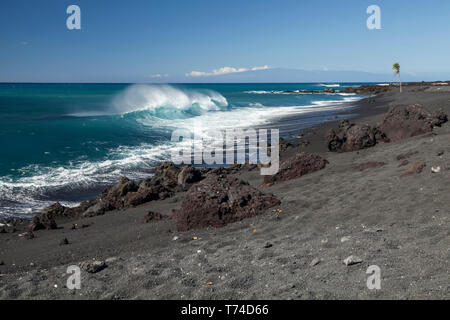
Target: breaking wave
point(168, 102)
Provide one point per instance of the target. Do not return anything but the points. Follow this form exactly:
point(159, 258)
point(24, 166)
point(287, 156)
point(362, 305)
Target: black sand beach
point(361, 204)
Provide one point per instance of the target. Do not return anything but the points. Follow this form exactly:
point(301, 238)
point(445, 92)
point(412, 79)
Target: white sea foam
point(330, 85)
point(299, 92)
point(166, 98)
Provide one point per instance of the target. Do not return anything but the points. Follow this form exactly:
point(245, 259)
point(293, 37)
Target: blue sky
point(131, 41)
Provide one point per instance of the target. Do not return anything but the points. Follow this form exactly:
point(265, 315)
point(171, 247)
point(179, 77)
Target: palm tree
point(396, 68)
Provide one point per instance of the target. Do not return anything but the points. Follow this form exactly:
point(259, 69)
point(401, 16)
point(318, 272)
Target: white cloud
point(158, 76)
point(224, 70)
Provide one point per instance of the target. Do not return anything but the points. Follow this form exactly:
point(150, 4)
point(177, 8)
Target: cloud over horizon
point(224, 70)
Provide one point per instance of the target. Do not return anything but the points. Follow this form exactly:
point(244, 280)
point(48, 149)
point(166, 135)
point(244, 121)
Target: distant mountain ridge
point(282, 75)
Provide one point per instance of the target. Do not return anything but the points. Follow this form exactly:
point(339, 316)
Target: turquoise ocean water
point(66, 142)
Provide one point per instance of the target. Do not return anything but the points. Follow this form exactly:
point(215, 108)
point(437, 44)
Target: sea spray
point(168, 102)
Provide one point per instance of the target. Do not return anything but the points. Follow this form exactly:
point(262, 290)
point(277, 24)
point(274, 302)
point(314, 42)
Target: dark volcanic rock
point(297, 166)
point(284, 144)
point(187, 176)
point(153, 216)
point(93, 266)
point(43, 220)
point(439, 118)
point(368, 89)
point(64, 242)
point(406, 121)
point(168, 179)
point(29, 235)
point(114, 198)
point(219, 200)
point(351, 137)
point(55, 210)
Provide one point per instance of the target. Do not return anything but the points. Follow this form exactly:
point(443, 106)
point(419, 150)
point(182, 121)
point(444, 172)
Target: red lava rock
point(167, 180)
point(415, 168)
point(43, 220)
point(406, 121)
point(399, 123)
point(351, 137)
point(369, 165)
point(297, 166)
point(219, 200)
point(153, 216)
point(439, 118)
point(366, 89)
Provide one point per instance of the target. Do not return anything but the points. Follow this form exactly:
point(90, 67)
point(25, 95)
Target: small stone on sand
point(352, 260)
point(94, 266)
point(268, 245)
point(436, 169)
point(315, 262)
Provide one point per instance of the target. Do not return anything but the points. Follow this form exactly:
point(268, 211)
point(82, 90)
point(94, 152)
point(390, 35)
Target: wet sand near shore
point(293, 251)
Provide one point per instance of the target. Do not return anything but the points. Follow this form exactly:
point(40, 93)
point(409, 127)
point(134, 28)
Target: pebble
point(436, 169)
point(352, 260)
point(345, 239)
point(94, 266)
point(268, 245)
point(112, 259)
point(373, 230)
point(315, 262)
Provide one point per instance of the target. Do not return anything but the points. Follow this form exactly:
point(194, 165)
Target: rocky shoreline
point(183, 200)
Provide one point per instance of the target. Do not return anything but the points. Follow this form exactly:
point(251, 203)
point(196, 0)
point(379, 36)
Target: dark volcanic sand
point(399, 224)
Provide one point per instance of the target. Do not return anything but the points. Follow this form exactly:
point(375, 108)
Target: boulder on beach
point(43, 220)
point(46, 218)
point(406, 121)
point(351, 137)
point(219, 200)
point(439, 117)
point(296, 166)
point(167, 180)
